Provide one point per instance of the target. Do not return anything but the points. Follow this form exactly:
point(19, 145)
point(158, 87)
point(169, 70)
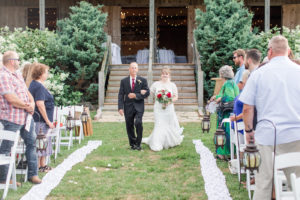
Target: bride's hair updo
point(166, 69)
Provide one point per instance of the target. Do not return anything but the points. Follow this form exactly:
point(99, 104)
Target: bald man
point(133, 90)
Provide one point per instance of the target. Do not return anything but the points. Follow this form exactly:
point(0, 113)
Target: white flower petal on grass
point(109, 165)
point(94, 169)
point(87, 167)
point(78, 170)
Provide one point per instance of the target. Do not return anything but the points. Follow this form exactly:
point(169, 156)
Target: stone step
point(155, 73)
point(183, 94)
point(187, 107)
point(180, 100)
point(155, 66)
point(180, 89)
point(157, 78)
point(183, 116)
point(179, 83)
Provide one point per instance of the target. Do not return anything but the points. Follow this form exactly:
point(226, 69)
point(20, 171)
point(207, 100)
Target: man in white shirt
point(275, 91)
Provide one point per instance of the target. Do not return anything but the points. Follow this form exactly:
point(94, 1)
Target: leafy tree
point(224, 27)
point(81, 37)
point(292, 36)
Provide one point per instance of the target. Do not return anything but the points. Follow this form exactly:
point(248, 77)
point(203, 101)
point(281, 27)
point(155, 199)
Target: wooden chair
point(281, 162)
point(9, 160)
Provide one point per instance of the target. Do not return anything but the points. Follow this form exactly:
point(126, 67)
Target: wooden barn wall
point(13, 13)
point(113, 23)
point(191, 25)
point(291, 15)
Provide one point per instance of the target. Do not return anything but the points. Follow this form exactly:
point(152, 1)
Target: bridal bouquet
point(164, 97)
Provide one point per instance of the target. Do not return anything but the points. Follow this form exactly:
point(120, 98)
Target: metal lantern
point(206, 109)
point(219, 138)
point(252, 158)
point(41, 141)
point(206, 123)
point(84, 116)
point(69, 121)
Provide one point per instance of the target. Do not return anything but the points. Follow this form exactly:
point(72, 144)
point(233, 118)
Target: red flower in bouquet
point(169, 95)
point(164, 97)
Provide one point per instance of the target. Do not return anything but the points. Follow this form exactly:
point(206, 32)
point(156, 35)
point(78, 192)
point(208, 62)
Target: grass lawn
point(126, 174)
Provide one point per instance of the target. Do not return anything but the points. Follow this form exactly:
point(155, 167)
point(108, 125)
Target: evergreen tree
point(81, 37)
point(224, 27)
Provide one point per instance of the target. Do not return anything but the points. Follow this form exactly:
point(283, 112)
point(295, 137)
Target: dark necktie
point(132, 87)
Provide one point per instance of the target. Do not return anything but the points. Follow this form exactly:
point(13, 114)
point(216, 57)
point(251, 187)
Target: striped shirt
point(12, 83)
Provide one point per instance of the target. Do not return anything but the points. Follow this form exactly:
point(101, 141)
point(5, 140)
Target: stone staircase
point(181, 74)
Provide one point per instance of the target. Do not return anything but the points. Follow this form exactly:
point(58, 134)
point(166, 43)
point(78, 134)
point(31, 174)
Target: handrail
point(150, 70)
point(102, 76)
point(198, 76)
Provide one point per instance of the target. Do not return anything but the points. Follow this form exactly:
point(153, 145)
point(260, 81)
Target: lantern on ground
point(206, 123)
point(84, 116)
point(252, 158)
point(69, 122)
point(219, 138)
point(41, 141)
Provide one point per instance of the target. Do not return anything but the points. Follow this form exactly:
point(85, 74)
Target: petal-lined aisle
point(53, 178)
point(215, 183)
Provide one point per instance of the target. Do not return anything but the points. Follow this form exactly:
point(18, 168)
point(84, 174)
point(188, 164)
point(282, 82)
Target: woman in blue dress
point(44, 109)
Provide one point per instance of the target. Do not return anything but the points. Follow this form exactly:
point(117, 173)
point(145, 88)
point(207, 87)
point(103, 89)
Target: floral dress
point(227, 93)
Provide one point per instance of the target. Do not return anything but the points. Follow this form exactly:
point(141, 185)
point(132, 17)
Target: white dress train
point(167, 132)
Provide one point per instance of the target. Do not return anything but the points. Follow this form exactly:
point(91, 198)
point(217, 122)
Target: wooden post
point(267, 15)
point(152, 29)
point(42, 14)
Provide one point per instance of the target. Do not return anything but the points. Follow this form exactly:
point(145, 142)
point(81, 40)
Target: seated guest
point(227, 93)
point(238, 109)
point(44, 109)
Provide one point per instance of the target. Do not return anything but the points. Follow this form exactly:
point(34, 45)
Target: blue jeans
point(30, 152)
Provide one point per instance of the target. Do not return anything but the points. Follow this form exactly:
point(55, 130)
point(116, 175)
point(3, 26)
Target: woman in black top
point(44, 109)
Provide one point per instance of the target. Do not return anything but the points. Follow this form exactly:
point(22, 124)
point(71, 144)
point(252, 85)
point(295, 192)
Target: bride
point(167, 132)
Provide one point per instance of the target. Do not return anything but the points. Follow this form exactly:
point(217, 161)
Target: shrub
point(81, 37)
point(224, 27)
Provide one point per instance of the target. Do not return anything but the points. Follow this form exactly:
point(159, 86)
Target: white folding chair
point(240, 143)
point(281, 162)
point(67, 138)
point(295, 182)
point(20, 151)
point(76, 111)
point(9, 160)
point(54, 134)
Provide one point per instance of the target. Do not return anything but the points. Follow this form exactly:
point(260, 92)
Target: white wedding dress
point(167, 132)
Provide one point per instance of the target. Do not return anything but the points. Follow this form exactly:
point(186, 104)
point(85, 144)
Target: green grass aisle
point(169, 174)
point(126, 174)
